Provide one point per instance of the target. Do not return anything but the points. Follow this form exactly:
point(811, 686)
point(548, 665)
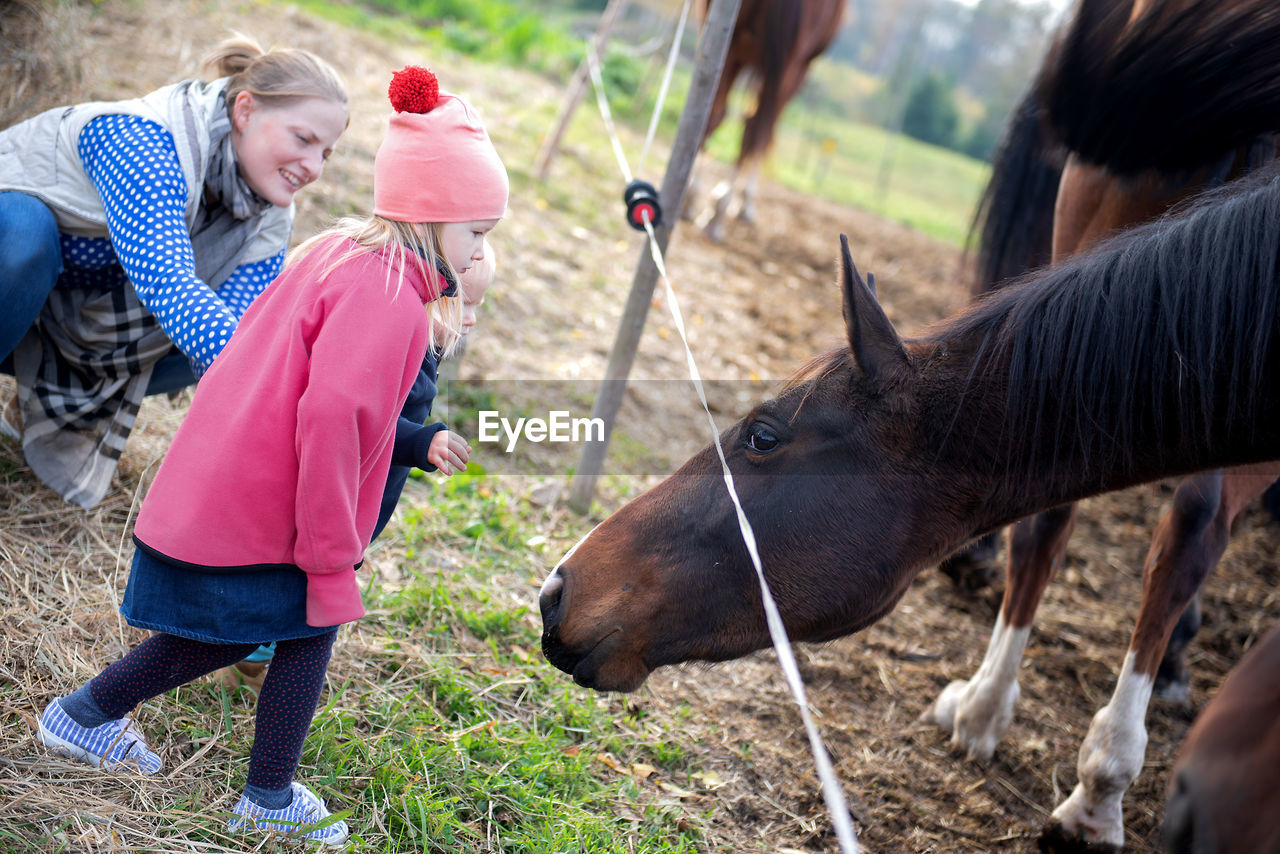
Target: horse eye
point(761, 439)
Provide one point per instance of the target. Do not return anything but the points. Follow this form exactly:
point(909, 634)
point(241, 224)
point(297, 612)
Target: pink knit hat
point(436, 163)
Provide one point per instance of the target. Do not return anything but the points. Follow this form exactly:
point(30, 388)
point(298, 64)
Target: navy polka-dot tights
point(286, 705)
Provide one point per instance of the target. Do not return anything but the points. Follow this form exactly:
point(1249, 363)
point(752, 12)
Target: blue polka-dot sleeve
point(247, 281)
point(134, 164)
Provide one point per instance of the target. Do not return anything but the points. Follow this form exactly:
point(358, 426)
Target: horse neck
point(1150, 357)
point(1002, 464)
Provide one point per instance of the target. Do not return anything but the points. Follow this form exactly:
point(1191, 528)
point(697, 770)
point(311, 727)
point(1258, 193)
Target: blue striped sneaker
point(113, 743)
point(300, 817)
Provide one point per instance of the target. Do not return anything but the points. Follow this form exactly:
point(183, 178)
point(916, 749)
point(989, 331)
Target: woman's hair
point(275, 75)
point(403, 245)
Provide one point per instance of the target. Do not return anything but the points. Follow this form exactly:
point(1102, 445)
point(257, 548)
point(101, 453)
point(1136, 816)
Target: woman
point(133, 236)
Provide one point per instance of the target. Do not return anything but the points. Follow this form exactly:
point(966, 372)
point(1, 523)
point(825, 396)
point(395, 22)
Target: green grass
point(928, 188)
point(475, 743)
point(443, 729)
point(492, 30)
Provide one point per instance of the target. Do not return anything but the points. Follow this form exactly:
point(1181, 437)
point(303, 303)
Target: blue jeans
point(30, 263)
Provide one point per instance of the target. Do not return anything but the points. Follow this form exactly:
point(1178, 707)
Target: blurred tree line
point(943, 71)
point(949, 72)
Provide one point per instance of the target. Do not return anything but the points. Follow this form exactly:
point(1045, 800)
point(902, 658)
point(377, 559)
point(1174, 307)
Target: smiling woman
point(284, 147)
point(160, 219)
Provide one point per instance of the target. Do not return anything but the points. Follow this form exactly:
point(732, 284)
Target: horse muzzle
point(604, 665)
point(549, 601)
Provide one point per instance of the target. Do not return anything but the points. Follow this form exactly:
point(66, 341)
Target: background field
point(443, 729)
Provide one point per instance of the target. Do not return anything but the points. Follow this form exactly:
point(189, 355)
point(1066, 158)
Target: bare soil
point(757, 305)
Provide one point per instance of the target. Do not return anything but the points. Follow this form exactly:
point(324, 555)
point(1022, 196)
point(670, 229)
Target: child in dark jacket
point(262, 509)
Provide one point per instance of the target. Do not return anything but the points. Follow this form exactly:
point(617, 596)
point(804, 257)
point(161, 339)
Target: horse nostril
point(549, 598)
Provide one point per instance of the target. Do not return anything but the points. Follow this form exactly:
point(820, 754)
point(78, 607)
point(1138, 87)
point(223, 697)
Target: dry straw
point(39, 65)
point(62, 570)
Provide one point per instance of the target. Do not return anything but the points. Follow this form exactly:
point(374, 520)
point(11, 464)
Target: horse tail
point(779, 40)
point(1013, 225)
point(1178, 86)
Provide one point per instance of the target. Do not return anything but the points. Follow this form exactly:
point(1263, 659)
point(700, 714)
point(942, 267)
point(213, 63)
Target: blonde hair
point(403, 245)
point(273, 76)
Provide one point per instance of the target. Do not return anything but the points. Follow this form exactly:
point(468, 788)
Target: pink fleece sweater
point(283, 456)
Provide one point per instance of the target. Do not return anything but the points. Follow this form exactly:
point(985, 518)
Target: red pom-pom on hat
point(432, 139)
point(413, 89)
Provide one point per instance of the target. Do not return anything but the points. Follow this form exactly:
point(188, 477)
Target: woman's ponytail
point(268, 75)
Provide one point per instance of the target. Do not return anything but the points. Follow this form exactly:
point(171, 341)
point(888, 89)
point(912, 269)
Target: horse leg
point(1173, 681)
point(750, 189)
point(978, 712)
point(722, 197)
point(1271, 500)
point(740, 185)
point(1187, 546)
point(757, 134)
point(1240, 486)
point(693, 190)
point(719, 109)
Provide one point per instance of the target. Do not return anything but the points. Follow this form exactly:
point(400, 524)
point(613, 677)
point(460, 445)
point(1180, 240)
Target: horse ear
point(872, 338)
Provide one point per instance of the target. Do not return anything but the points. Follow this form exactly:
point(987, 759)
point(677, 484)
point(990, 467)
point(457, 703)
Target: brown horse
point(1094, 203)
point(1152, 355)
point(774, 42)
point(1113, 49)
point(1224, 792)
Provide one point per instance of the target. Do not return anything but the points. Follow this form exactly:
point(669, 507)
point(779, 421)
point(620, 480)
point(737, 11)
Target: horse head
point(829, 473)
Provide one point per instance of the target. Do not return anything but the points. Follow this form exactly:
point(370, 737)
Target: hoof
point(1176, 692)
point(1055, 839)
point(247, 673)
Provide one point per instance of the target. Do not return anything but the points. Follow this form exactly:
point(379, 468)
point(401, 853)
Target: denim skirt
point(217, 607)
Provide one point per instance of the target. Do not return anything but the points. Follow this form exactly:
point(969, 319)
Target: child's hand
point(449, 452)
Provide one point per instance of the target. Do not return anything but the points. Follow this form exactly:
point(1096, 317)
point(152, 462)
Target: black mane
point(1013, 225)
point(1184, 85)
point(1174, 320)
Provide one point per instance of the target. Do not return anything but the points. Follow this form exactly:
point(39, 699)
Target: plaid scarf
point(84, 366)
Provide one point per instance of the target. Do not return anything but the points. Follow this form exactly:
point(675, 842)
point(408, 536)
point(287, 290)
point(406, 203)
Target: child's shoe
point(250, 674)
point(305, 810)
point(113, 743)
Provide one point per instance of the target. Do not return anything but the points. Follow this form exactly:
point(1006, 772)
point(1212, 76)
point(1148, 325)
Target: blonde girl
point(262, 509)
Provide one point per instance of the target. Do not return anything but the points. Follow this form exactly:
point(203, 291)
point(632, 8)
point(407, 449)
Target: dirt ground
point(757, 305)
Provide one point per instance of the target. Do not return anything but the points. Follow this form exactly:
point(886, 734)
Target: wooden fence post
point(577, 88)
point(712, 47)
